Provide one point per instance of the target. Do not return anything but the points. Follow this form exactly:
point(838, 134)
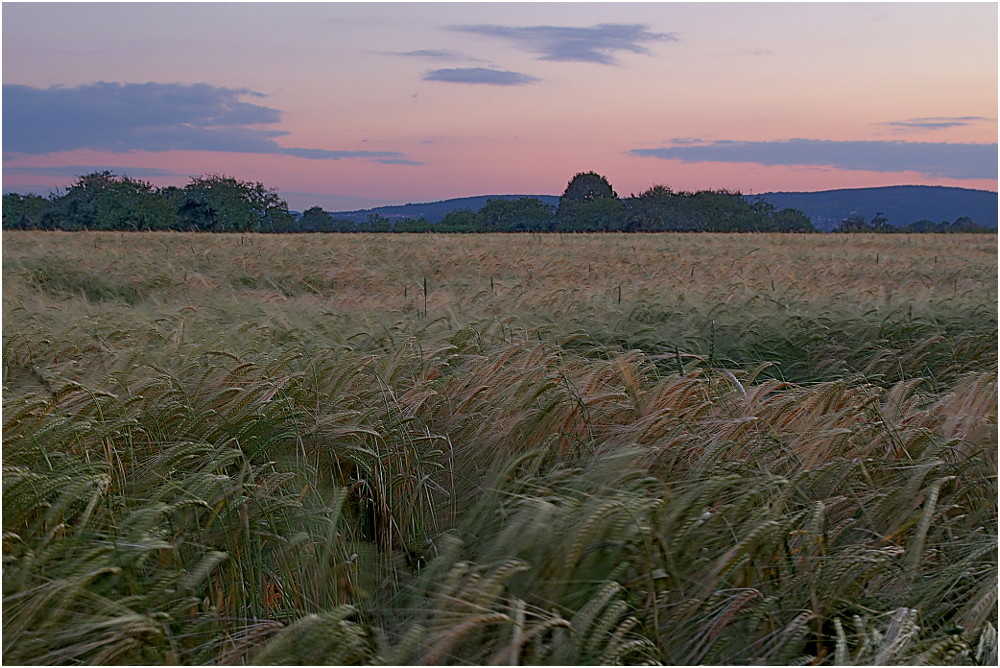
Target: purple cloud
point(479, 75)
point(935, 122)
point(151, 116)
point(433, 54)
point(80, 170)
point(124, 117)
point(595, 44)
point(958, 161)
point(384, 157)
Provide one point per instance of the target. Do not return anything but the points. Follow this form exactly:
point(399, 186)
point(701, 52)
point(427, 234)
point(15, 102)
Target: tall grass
point(269, 454)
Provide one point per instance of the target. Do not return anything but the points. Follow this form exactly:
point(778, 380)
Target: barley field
point(499, 449)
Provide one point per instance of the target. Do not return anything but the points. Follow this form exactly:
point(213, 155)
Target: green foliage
point(375, 223)
point(589, 204)
point(879, 223)
point(459, 220)
point(595, 215)
point(314, 219)
point(520, 215)
point(23, 212)
point(660, 209)
point(586, 187)
point(104, 201)
point(854, 224)
point(412, 225)
point(218, 203)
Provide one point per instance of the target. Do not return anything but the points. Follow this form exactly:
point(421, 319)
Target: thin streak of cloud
point(398, 161)
point(936, 123)
point(958, 161)
point(479, 75)
point(384, 157)
point(80, 170)
point(595, 44)
point(434, 54)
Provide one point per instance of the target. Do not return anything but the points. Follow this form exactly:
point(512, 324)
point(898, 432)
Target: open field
point(565, 449)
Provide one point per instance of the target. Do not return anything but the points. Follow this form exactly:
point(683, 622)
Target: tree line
point(880, 224)
point(105, 201)
point(218, 203)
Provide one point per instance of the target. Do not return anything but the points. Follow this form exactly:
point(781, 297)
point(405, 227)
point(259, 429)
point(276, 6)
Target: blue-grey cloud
point(935, 122)
point(958, 161)
point(687, 141)
point(384, 157)
point(596, 44)
point(434, 54)
point(80, 170)
point(150, 116)
point(479, 75)
point(398, 161)
point(424, 53)
point(123, 117)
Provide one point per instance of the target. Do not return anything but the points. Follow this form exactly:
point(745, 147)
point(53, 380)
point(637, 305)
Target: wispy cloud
point(688, 141)
point(80, 170)
point(151, 116)
point(384, 157)
point(434, 54)
point(935, 123)
point(479, 75)
point(596, 44)
point(958, 161)
point(398, 161)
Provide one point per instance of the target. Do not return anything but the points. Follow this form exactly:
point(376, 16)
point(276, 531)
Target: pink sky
point(419, 102)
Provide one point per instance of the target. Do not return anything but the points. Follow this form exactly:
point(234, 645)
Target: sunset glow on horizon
point(353, 105)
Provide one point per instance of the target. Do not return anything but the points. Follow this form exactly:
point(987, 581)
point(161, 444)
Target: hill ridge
point(901, 204)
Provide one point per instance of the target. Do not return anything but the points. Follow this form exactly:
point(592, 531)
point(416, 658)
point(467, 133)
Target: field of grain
point(515, 449)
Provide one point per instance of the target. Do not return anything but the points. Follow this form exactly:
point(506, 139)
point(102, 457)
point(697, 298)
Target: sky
point(355, 105)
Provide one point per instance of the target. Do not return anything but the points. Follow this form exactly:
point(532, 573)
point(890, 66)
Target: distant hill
point(433, 212)
point(902, 205)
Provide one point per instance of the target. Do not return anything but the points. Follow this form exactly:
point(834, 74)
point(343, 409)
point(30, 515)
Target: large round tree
point(590, 204)
point(586, 187)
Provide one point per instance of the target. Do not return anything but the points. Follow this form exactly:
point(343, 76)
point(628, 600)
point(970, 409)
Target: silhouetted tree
point(223, 204)
point(522, 214)
point(789, 220)
point(315, 219)
point(590, 204)
point(459, 220)
point(880, 223)
point(587, 186)
point(655, 209)
point(23, 212)
point(105, 201)
point(375, 223)
point(855, 223)
point(412, 225)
